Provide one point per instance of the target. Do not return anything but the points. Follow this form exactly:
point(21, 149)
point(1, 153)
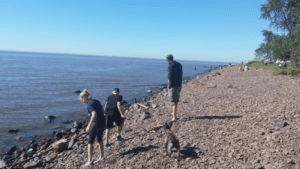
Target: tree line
point(284, 15)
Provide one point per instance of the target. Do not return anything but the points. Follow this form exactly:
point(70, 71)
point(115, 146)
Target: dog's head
point(168, 125)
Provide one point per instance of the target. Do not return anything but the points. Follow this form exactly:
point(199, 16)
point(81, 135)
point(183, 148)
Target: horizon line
point(131, 57)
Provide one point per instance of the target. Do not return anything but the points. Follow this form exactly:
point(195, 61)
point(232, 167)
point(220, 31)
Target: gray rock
point(67, 122)
point(281, 123)
point(71, 143)
point(12, 149)
point(78, 91)
point(6, 160)
point(30, 152)
point(13, 130)
point(149, 91)
point(77, 125)
point(32, 164)
point(145, 115)
point(73, 130)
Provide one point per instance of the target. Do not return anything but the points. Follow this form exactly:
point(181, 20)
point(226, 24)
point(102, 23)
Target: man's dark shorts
point(114, 117)
point(95, 132)
point(174, 94)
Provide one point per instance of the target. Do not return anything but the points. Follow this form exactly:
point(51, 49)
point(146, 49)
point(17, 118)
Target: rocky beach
point(227, 119)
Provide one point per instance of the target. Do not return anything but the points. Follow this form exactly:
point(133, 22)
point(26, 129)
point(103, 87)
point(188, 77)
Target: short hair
point(170, 57)
point(86, 93)
point(168, 126)
point(116, 90)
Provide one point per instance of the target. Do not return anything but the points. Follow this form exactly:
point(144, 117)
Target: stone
point(6, 160)
point(149, 91)
point(30, 152)
point(44, 146)
point(153, 105)
point(281, 123)
point(77, 125)
point(230, 86)
point(50, 118)
point(71, 142)
point(60, 145)
point(73, 130)
point(135, 106)
point(66, 122)
point(12, 149)
point(58, 134)
point(32, 164)
point(217, 73)
point(13, 130)
point(50, 157)
point(145, 115)
point(78, 91)
point(18, 138)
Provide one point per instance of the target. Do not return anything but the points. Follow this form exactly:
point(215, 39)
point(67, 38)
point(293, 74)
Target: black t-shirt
point(111, 104)
point(175, 74)
point(95, 105)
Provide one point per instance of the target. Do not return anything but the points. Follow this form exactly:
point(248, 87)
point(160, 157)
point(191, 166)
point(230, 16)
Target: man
point(95, 126)
point(242, 67)
point(114, 113)
point(174, 83)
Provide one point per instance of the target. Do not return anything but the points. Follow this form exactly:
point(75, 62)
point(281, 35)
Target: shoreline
point(47, 139)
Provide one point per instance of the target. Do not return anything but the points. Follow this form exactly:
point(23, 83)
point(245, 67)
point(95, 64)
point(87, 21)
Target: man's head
point(85, 96)
point(170, 58)
point(116, 91)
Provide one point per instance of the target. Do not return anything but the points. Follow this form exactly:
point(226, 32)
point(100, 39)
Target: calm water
point(36, 85)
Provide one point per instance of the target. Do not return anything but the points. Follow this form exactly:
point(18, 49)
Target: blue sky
point(226, 31)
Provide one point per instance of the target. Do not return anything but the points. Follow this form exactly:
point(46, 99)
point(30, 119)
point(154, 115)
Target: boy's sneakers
point(120, 138)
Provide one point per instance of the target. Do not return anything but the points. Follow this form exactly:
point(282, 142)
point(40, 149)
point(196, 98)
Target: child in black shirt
point(113, 113)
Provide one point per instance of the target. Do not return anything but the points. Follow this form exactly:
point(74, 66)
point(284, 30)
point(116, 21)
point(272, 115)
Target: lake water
point(35, 85)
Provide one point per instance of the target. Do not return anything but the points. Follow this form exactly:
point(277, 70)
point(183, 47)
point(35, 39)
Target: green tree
point(281, 14)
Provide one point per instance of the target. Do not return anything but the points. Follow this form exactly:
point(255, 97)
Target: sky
point(221, 31)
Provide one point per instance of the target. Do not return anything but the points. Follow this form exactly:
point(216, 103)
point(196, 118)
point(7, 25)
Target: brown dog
point(171, 140)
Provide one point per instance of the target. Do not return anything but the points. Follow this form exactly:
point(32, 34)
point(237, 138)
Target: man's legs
point(106, 135)
point(174, 107)
point(90, 155)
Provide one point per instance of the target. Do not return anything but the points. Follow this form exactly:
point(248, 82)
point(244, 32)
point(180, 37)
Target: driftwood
point(142, 106)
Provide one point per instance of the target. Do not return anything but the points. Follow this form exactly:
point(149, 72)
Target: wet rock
point(67, 122)
point(73, 130)
point(124, 102)
point(18, 138)
point(145, 115)
point(6, 160)
point(33, 144)
point(50, 157)
point(13, 130)
point(32, 164)
point(58, 134)
point(78, 91)
point(77, 125)
point(30, 152)
point(12, 149)
point(60, 145)
point(50, 119)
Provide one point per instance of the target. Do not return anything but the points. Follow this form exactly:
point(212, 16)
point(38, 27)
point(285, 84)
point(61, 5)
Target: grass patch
point(275, 67)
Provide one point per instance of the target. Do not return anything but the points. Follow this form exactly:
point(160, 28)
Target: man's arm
point(93, 118)
point(119, 107)
point(169, 84)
